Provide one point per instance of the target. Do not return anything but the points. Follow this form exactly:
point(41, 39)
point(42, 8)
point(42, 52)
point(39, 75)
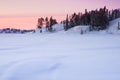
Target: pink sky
point(25, 12)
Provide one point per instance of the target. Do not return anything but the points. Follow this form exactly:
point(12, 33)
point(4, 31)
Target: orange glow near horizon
point(18, 23)
point(23, 22)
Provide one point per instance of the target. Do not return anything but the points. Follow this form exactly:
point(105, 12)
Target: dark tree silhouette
point(47, 23)
point(97, 19)
point(66, 23)
point(40, 24)
point(52, 22)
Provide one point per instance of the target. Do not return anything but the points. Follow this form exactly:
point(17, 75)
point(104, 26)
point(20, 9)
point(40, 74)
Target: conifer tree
point(40, 24)
point(47, 23)
point(66, 24)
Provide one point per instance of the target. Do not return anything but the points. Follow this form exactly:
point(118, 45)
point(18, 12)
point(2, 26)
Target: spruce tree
point(66, 24)
point(47, 23)
point(40, 24)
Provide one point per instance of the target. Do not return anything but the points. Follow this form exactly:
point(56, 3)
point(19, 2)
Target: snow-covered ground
point(60, 56)
point(113, 26)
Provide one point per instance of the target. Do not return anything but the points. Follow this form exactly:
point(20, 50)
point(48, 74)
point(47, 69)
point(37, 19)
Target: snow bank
point(78, 29)
point(113, 26)
point(58, 27)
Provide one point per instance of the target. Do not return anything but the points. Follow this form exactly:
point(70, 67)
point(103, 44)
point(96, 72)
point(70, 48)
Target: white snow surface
point(58, 27)
point(60, 56)
point(77, 29)
point(113, 26)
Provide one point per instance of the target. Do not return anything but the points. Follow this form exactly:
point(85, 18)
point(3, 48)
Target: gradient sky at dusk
point(33, 8)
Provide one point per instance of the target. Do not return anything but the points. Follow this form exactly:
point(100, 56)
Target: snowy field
point(60, 56)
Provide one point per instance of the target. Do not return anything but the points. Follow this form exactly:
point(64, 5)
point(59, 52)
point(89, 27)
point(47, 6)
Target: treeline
point(47, 22)
point(12, 30)
point(96, 19)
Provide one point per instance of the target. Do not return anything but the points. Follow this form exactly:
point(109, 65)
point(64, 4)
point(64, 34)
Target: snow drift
point(113, 26)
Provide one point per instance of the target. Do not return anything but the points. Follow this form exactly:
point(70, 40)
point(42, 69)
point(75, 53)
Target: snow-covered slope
point(113, 26)
point(58, 27)
point(78, 29)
